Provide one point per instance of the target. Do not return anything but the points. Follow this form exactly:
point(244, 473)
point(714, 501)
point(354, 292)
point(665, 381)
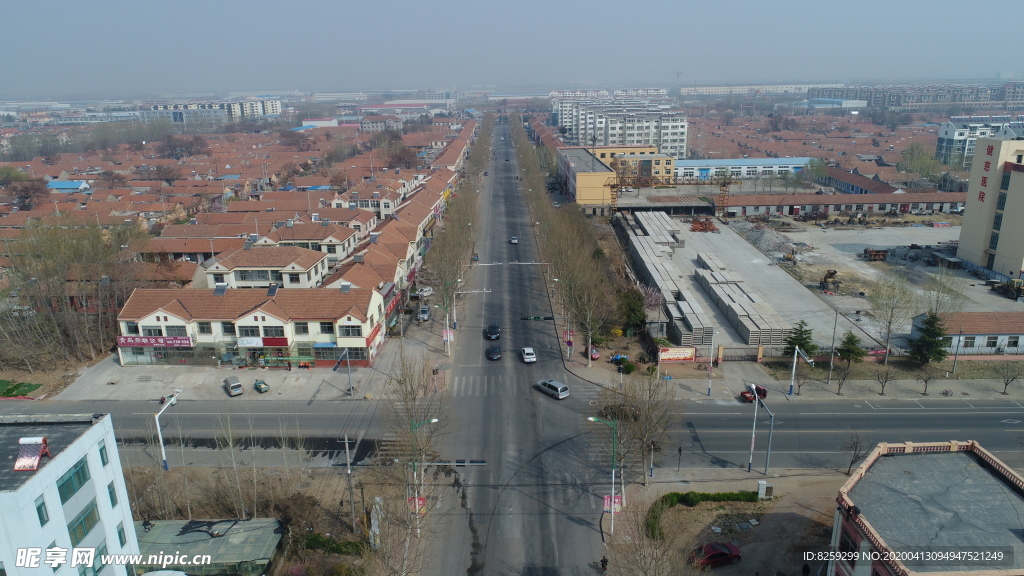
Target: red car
point(715, 554)
point(594, 354)
point(747, 395)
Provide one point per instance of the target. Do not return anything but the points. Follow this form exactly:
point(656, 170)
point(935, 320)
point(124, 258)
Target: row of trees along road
point(67, 282)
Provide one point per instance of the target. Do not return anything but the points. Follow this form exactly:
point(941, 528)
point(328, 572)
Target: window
point(1001, 201)
point(273, 331)
point(97, 562)
point(249, 331)
point(205, 328)
point(227, 328)
point(846, 544)
point(332, 249)
point(218, 278)
point(997, 222)
point(53, 545)
point(968, 341)
point(104, 459)
point(121, 536)
point(327, 327)
point(302, 327)
point(277, 276)
point(1005, 184)
point(73, 480)
point(152, 331)
point(112, 492)
point(83, 523)
point(992, 341)
point(176, 331)
point(293, 278)
point(131, 328)
point(993, 241)
point(350, 330)
point(41, 512)
point(1013, 341)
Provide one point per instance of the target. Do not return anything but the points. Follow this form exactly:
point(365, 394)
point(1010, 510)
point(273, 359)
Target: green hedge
point(316, 541)
point(671, 499)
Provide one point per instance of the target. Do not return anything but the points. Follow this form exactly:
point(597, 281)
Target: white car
point(528, 354)
point(514, 240)
point(425, 292)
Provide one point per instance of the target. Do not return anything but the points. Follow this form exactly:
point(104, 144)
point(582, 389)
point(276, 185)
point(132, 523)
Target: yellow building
point(991, 235)
point(588, 174)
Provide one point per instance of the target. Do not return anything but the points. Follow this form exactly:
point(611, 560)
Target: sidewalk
point(108, 380)
point(738, 375)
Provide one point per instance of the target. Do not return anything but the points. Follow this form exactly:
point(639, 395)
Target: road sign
point(568, 334)
point(417, 505)
point(447, 335)
point(608, 507)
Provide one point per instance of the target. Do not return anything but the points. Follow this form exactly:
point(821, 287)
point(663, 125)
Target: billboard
point(676, 354)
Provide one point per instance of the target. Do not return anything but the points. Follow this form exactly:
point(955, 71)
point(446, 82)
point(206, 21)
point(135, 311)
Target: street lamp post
point(753, 432)
point(615, 440)
point(568, 321)
point(413, 426)
point(171, 401)
point(771, 430)
point(711, 361)
point(832, 353)
point(792, 373)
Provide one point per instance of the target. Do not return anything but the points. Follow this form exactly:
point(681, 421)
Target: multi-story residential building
point(198, 115)
point(750, 90)
point(260, 266)
point(958, 136)
point(255, 327)
point(379, 123)
point(589, 124)
point(1009, 96)
point(917, 507)
point(991, 236)
point(63, 489)
point(333, 239)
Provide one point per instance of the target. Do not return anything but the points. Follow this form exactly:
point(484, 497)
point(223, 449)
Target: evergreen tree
point(929, 346)
point(849, 349)
point(802, 337)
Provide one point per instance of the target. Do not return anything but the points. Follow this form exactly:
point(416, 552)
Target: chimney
point(253, 237)
point(346, 286)
point(358, 258)
point(374, 236)
point(316, 216)
point(290, 223)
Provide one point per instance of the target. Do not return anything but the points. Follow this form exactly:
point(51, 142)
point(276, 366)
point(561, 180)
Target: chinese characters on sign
point(984, 181)
point(29, 557)
point(988, 166)
point(989, 149)
point(161, 341)
point(981, 196)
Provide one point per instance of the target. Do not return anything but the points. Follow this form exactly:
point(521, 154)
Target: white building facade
point(73, 498)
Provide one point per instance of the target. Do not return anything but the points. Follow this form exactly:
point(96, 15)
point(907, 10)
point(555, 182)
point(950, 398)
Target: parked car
point(494, 352)
point(233, 386)
point(485, 172)
point(493, 331)
point(553, 388)
point(261, 386)
point(594, 354)
point(425, 292)
point(513, 240)
point(715, 554)
point(528, 355)
point(424, 314)
point(556, 204)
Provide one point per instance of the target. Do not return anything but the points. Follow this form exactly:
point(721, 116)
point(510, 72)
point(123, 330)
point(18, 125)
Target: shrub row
point(654, 529)
point(316, 541)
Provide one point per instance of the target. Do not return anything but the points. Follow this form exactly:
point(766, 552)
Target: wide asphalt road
point(534, 507)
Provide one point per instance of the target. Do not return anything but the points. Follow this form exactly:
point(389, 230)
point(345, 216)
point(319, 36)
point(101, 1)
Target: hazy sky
point(58, 48)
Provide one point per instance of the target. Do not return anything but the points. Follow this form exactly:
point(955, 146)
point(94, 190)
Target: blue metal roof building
point(67, 185)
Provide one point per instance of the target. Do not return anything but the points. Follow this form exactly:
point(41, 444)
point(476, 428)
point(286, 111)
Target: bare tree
point(884, 375)
point(643, 412)
point(1008, 373)
point(925, 376)
point(892, 303)
point(636, 553)
point(943, 293)
point(842, 372)
point(857, 446)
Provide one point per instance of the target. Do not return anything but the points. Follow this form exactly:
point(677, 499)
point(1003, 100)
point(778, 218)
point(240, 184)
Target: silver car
point(554, 388)
point(424, 314)
point(528, 354)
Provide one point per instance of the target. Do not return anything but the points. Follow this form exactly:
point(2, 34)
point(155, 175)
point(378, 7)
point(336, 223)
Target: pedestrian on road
point(290, 369)
point(604, 564)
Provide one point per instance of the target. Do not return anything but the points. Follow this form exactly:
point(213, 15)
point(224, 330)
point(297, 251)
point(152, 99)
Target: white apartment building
point(589, 123)
point(959, 135)
point(260, 266)
point(62, 488)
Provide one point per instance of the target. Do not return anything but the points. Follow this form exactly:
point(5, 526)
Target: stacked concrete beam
point(660, 228)
point(709, 261)
point(756, 321)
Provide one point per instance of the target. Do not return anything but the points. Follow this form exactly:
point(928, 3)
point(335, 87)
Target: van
point(554, 388)
point(233, 386)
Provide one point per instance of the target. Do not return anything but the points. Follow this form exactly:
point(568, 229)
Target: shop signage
point(155, 341)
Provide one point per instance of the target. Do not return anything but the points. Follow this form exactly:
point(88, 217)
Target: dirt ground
point(52, 380)
point(631, 348)
point(799, 518)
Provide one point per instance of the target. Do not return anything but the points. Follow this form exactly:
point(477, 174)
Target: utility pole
point(956, 356)
point(351, 495)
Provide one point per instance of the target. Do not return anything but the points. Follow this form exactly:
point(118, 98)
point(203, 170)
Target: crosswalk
point(501, 385)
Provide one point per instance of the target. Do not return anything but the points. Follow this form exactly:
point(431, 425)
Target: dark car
point(493, 331)
point(715, 554)
point(494, 352)
point(620, 412)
